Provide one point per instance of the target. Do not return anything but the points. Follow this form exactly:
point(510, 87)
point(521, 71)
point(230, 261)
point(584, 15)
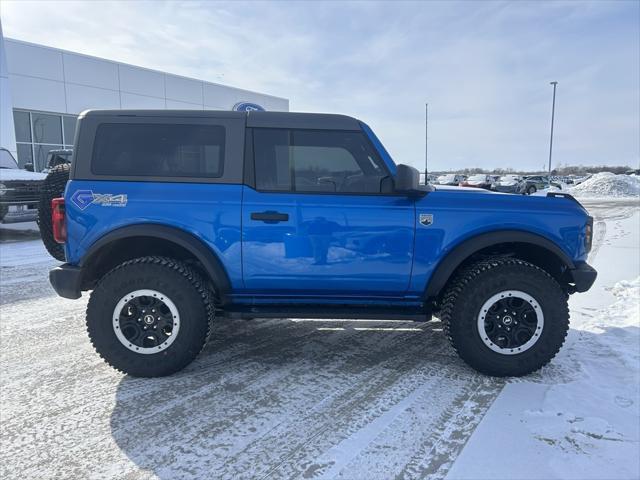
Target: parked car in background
point(479, 180)
point(429, 178)
point(19, 190)
point(578, 180)
point(509, 184)
point(539, 182)
point(450, 179)
point(58, 157)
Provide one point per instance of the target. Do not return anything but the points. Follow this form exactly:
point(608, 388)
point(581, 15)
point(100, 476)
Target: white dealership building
point(43, 90)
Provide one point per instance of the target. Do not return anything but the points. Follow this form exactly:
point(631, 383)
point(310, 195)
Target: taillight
point(58, 220)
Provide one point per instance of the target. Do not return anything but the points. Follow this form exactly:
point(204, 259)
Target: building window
point(69, 128)
point(46, 128)
point(23, 126)
point(39, 132)
point(25, 154)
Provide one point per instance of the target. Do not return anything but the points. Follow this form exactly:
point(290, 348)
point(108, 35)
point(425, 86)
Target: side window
point(316, 161)
point(158, 150)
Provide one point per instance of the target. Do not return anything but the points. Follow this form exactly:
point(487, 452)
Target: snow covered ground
point(580, 416)
point(323, 399)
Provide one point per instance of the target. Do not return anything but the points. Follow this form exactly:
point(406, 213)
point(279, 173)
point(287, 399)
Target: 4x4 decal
point(83, 198)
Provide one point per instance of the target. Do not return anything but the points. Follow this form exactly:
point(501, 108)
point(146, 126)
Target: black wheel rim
point(510, 322)
point(146, 321)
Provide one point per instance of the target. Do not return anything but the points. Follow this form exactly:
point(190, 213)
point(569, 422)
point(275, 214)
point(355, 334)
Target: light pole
point(553, 111)
point(426, 143)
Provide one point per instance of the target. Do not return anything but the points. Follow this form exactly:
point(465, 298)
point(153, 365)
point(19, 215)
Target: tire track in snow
point(270, 398)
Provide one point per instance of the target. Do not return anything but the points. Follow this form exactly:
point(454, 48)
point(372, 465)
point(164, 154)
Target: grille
point(21, 192)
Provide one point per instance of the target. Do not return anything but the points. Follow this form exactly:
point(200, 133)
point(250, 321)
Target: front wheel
point(150, 317)
point(505, 316)
point(531, 190)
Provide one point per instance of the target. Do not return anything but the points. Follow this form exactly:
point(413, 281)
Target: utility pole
point(553, 111)
point(426, 142)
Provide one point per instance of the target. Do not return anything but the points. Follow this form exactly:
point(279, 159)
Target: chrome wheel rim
point(146, 321)
point(510, 322)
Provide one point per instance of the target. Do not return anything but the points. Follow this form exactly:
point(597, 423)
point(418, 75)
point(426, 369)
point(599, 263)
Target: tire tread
point(179, 267)
point(469, 274)
point(52, 187)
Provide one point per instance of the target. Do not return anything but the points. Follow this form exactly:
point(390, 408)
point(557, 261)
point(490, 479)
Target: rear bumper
point(65, 280)
point(583, 276)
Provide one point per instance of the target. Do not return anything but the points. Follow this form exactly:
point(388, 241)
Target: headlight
point(3, 189)
point(588, 235)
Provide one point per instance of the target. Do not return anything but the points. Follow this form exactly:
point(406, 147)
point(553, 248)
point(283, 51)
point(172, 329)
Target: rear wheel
point(150, 316)
point(505, 317)
point(52, 187)
point(531, 190)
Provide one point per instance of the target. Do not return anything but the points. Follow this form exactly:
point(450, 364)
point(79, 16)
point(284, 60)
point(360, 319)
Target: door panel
point(325, 244)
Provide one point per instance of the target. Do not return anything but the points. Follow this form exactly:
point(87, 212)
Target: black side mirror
point(28, 167)
point(407, 181)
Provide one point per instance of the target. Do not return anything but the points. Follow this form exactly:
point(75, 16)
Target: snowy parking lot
point(298, 398)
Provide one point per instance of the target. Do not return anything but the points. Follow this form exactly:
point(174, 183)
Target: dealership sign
point(248, 107)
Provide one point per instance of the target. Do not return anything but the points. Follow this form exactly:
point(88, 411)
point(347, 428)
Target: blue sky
point(484, 67)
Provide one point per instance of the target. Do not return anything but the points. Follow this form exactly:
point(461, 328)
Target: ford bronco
point(171, 218)
point(19, 190)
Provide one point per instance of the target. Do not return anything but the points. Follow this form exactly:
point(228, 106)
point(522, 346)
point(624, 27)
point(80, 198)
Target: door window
point(316, 161)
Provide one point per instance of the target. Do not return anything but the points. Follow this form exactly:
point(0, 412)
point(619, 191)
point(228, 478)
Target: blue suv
point(171, 218)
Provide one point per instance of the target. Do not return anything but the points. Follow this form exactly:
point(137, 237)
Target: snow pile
point(607, 184)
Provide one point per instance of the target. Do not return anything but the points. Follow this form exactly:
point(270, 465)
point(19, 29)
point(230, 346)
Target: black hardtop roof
point(323, 121)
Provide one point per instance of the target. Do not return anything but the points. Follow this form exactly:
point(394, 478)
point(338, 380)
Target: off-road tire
point(531, 190)
point(52, 187)
point(180, 283)
point(477, 283)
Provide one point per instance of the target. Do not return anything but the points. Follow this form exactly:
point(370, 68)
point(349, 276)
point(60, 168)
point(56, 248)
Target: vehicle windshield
point(447, 178)
point(7, 160)
point(477, 178)
point(509, 178)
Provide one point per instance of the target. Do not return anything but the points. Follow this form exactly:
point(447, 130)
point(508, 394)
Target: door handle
point(270, 216)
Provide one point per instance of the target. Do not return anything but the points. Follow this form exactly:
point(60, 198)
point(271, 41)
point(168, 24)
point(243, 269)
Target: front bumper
point(19, 213)
point(582, 277)
point(66, 280)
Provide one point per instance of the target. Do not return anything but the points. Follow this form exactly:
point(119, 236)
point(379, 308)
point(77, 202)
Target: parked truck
point(19, 190)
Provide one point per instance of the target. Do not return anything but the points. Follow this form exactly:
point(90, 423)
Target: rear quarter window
point(158, 150)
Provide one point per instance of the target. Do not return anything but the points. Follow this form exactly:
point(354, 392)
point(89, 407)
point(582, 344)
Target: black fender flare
point(465, 249)
point(207, 257)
